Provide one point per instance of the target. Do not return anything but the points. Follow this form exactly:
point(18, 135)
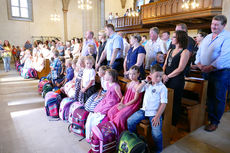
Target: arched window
point(20, 10)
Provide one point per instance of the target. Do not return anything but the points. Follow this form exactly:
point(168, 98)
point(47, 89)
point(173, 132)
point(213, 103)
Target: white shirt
point(151, 51)
point(103, 83)
point(45, 53)
point(154, 96)
point(88, 75)
point(126, 47)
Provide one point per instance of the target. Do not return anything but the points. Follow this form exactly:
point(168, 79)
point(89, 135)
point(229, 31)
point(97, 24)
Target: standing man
point(89, 41)
point(165, 37)
point(153, 46)
point(113, 50)
point(213, 57)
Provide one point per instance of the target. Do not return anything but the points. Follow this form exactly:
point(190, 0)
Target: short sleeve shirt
point(133, 54)
point(88, 75)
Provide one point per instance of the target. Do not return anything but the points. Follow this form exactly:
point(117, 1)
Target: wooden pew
point(46, 70)
point(144, 127)
point(194, 101)
point(195, 73)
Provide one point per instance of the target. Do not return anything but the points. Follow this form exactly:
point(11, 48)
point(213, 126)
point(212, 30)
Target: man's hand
point(155, 121)
point(207, 69)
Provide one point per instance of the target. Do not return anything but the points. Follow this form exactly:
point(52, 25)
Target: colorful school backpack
point(17, 64)
point(57, 90)
point(41, 84)
point(32, 73)
point(24, 73)
point(78, 123)
point(46, 88)
point(73, 106)
point(130, 143)
point(52, 103)
point(64, 108)
point(104, 138)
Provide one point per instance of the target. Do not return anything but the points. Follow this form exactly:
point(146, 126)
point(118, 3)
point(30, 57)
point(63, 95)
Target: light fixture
point(84, 4)
point(55, 17)
point(186, 4)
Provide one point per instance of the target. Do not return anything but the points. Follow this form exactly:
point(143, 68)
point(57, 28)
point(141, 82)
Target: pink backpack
point(78, 123)
point(73, 106)
point(41, 84)
point(104, 138)
point(32, 73)
point(64, 108)
point(52, 102)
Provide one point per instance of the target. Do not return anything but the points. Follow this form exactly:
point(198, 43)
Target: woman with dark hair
point(174, 67)
point(6, 56)
point(135, 56)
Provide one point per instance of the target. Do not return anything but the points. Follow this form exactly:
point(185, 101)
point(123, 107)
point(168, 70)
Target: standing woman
point(102, 39)
point(135, 56)
point(6, 55)
point(174, 67)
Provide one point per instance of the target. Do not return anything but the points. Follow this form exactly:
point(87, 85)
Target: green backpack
point(46, 88)
point(130, 143)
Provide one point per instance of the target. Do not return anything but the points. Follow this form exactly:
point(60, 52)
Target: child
point(154, 104)
point(88, 80)
point(79, 68)
point(18, 52)
point(93, 100)
point(159, 59)
point(39, 62)
point(112, 97)
point(129, 103)
point(69, 74)
point(91, 51)
point(56, 68)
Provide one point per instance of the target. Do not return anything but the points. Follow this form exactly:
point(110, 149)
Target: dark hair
point(4, 45)
point(156, 68)
point(111, 26)
point(221, 18)
point(183, 26)
point(56, 53)
point(62, 59)
point(160, 52)
point(203, 34)
point(104, 67)
point(137, 36)
point(166, 32)
point(91, 32)
point(182, 38)
point(144, 36)
point(134, 67)
point(114, 74)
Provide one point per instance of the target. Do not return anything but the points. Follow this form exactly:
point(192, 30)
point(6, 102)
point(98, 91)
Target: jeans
point(156, 131)
point(6, 61)
point(218, 85)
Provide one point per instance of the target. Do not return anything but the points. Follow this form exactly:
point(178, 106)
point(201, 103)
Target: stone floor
point(24, 127)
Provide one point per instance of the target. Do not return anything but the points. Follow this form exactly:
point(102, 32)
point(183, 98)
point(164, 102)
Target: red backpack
point(104, 138)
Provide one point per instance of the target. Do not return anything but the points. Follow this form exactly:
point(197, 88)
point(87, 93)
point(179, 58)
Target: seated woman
point(39, 62)
point(27, 64)
point(136, 56)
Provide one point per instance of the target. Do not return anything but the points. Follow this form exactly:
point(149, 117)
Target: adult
point(102, 39)
point(6, 55)
point(1, 48)
point(165, 36)
point(153, 46)
point(136, 56)
point(125, 44)
point(28, 45)
point(213, 57)
point(113, 49)
point(89, 41)
point(174, 68)
point(144, 40)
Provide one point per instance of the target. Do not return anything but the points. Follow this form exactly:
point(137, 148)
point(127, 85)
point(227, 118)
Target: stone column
point(226, 12)
point(65, 4)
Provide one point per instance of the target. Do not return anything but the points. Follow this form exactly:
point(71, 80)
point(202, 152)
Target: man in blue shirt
point(113, 49)
point(213, 57)
point(89, 41)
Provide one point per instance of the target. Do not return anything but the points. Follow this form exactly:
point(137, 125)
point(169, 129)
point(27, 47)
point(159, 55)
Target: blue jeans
point(156, 131)
point(6, 61)
point(218, 84)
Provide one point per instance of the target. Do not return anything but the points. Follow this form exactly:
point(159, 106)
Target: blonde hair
point(90, 58)
point(69, 61)
point(103, 34)
point(91, 46)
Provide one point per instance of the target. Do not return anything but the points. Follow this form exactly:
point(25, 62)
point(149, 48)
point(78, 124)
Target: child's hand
point(120, 106)
point(155, 121)
point(83, 90)
point(148, 78)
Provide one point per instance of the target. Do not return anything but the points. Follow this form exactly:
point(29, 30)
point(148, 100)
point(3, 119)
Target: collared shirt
point(215, 52)
point(168, 42)
point(154, 96)
point(69, 73)
point(114, 42)
point(151, 51)
point(86, 46)
point(56, 64)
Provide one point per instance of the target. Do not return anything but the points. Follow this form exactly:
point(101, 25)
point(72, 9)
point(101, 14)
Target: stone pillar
point(226, 12)
point(102, 14)
point(65, 4)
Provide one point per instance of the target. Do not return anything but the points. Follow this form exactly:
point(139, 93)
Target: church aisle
point(24, 127)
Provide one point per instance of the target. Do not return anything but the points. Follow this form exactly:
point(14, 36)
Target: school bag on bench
point(41, 84)
point(46, 88)
point(64, 108)
point(73, 106)
point(130, 143)
point(78, 121)
point(32, 73)
point(104, 138)
point(52, 103)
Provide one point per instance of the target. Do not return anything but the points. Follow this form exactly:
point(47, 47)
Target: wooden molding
point(123, 2)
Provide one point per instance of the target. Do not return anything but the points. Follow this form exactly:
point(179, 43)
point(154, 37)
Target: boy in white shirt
point(154, 103)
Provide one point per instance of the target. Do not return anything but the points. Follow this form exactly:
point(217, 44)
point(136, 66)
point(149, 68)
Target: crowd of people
point(74, 66)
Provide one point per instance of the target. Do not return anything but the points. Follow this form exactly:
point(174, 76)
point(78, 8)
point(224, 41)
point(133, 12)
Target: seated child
point(56, 68)
point(112, 97)
point(129, 103)
point(93, 100)
point(69, 74)
point(91, 51)
point(39, 62)
point(79, 68)
point(159, 59)
point(154, 103)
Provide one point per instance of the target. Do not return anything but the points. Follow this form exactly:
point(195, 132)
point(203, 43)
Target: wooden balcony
point(165, 14)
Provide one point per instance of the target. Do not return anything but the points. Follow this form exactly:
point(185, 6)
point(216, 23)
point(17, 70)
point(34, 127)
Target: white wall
point(226, 12)
point(17, 32)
